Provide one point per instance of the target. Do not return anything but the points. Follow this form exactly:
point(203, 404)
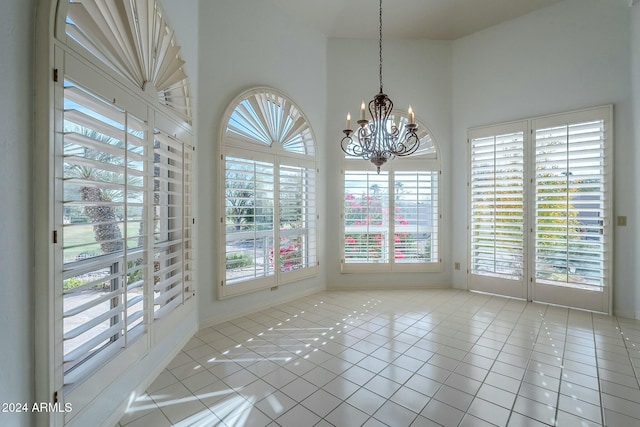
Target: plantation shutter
point(366, 217)
point(265, 117)
point(297, 215)
point(103, 176)
point(133, 39)
point(571, 203)
point(496, 202)
point(249, 219)
point(172, 244)
point(415, 204)
point(188, 217)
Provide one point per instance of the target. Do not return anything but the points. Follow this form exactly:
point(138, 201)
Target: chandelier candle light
point(379, 139)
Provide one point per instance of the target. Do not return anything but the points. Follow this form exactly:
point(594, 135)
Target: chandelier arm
point(347, 146)
point(364, 140)
point(351, 148)
point(411, 143)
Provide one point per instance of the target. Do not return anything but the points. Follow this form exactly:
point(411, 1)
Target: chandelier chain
point(380, 46)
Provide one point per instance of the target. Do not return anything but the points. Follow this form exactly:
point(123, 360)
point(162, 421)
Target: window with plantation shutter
point(269, 187)
point(391, 219)
point(122, 192)
point(497, 205)
point(103, 183)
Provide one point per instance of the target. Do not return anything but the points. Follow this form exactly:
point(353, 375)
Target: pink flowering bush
point(368, 211)
point(290, 255)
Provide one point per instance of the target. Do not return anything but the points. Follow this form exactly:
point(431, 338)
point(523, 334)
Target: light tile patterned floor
point(402, 358)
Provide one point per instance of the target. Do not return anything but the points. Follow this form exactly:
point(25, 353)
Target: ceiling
point(406, 19)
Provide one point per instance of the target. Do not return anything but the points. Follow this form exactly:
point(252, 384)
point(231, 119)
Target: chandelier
point(379, 139)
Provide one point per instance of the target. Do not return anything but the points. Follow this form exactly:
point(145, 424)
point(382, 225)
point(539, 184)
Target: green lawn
point(78, 234)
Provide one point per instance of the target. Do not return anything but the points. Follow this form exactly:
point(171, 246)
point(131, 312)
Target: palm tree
point(96, 185)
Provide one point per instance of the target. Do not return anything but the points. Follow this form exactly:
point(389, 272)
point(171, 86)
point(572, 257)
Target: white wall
point(16, 251)
point(415, 72)
point(243, 44)
point(568, 56)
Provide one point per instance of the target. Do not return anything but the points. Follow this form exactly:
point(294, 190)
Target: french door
point(496, 187)
point(540, 208)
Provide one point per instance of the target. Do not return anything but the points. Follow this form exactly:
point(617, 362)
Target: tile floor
point(402, 358)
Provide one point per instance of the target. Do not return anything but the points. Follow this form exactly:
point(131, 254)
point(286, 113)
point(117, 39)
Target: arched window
point(391, 220)
point(269, 175)
point(122, 204)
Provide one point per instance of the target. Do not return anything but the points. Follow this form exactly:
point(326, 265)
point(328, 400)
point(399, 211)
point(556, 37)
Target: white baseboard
point(628, 314)
point(385, 287)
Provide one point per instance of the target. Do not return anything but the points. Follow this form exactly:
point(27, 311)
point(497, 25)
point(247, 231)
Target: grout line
point(595, 349)
point(564, 349)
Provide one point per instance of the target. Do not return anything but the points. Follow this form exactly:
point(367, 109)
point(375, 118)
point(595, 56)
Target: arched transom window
point(135, 41)
point(269, 178)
